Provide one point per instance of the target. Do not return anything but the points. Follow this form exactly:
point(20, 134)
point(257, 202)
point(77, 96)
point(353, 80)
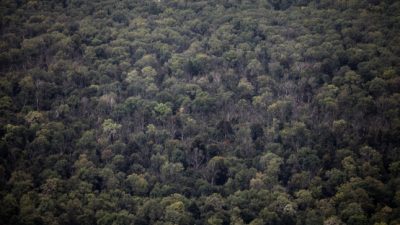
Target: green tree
point(137, 183)
point(110, 129)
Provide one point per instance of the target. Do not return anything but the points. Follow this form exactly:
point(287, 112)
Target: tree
point(171, 171)
point(308, 159)
point(176, 213)
point(21, 182)
point(137, 183)
point(254, 68)
point(110, 128)
point(333, 221)
point(280, 109)
point(353, 214)
point(217, 171)
point(9, 209)
point(162, 111)
point(270, 163)
point(203, 103)
point(245, 89)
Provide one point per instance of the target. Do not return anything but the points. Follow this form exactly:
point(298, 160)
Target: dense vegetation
point(200, 112)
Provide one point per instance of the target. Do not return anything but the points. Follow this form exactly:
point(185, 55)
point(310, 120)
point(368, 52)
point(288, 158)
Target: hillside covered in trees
point(224, 112)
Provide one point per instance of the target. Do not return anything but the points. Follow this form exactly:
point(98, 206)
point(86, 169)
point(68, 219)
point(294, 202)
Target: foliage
point(200, 112)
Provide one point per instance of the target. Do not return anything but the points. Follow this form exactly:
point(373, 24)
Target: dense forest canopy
point(117, 112)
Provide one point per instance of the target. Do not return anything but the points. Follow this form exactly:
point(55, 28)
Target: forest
point(191, 112)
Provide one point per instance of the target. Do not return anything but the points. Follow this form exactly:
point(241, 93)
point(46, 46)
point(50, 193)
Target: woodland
point(190, 112)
